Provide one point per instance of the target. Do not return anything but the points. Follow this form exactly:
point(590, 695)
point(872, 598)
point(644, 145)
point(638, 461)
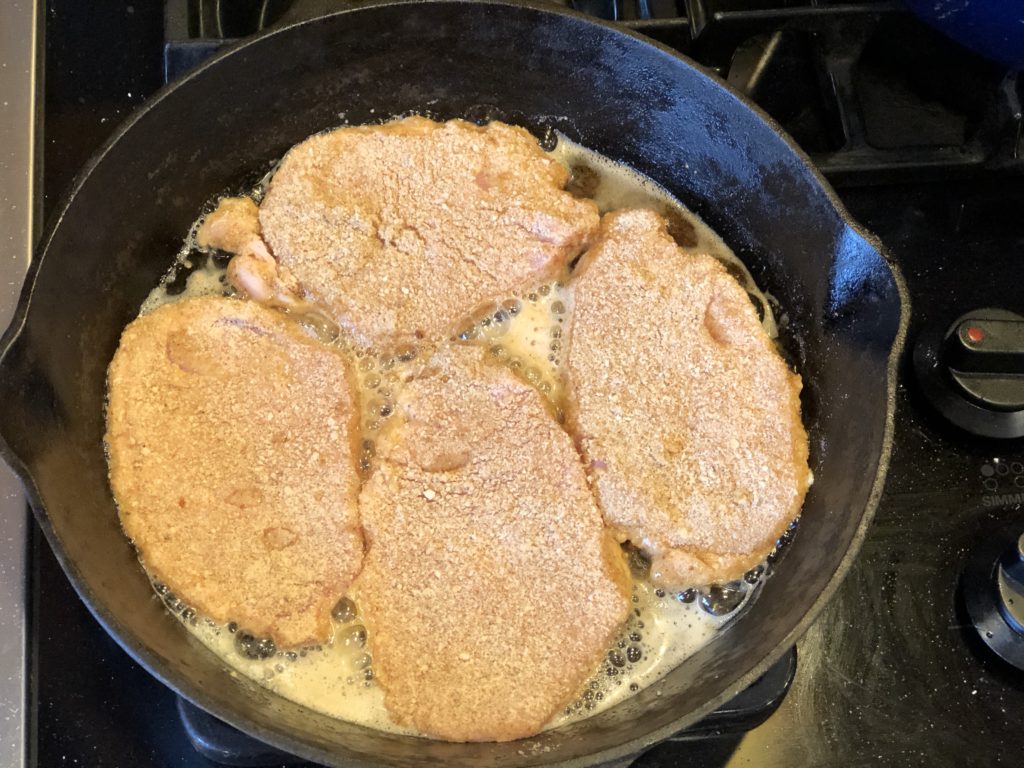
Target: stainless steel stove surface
point(922, 140)
point(17, 209)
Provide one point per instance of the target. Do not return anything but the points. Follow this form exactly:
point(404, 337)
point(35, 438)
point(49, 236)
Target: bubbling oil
point(526, 332)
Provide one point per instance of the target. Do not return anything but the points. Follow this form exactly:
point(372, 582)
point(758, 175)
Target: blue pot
point(993, 28)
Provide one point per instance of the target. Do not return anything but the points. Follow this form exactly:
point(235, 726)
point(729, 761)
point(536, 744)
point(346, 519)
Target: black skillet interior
point(608, 90)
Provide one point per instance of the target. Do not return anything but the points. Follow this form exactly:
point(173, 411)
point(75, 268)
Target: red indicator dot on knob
point(975, 334)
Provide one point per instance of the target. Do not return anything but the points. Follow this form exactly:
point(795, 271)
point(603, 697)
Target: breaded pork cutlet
point(231, 437)
point(687, 414)
point(491, 586)
point(401, 230)
point(231, 226)
point(234, 226)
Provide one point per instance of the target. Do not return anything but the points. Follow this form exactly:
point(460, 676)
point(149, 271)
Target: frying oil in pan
point(525, 332)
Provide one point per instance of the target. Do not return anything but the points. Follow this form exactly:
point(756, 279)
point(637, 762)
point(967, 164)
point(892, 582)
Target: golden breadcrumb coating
point(231, 436)
point(491, 586)
point(681, 403)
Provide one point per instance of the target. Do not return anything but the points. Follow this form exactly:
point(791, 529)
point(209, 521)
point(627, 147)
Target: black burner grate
point(871, 93)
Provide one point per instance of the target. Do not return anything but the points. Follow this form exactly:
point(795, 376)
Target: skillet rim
point(282, 737)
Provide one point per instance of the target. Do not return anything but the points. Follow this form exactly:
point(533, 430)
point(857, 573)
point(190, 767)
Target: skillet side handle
point(29, 408)
point(866, 294)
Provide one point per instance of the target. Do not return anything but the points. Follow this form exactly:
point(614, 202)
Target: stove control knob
point(1010, 585)
point(973, 372)
point(985, 359)
point(992, 590)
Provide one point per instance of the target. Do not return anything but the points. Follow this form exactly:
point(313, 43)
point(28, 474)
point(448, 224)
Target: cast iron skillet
point(615, 92)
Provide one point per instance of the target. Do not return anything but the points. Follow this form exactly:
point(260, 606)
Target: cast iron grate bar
point(808, 65)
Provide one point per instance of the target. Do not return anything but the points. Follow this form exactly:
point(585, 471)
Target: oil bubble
point(754, 574)
point(512, 306)
point(720, 599)
point(344, 610)
point(353, 636)
point(252, 647)
point(362, 661)
point(687, 595)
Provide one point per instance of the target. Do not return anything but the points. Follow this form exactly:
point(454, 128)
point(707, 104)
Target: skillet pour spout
point(615, 92)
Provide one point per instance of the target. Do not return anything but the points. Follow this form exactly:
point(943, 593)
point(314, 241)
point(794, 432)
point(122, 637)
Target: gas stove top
point(921, 139)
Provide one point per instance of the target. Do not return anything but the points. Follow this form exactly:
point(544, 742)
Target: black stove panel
point(921, 137)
